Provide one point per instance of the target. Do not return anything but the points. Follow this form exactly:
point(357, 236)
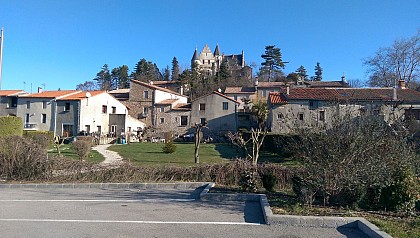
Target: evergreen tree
point(273, 63)
point(301, 71)
point(103, 78)
point(166, 74)
point(146, 71)
point(223, 73)
point(87, 86)
point(175, 69)
point(120, 78)
point(318, 72)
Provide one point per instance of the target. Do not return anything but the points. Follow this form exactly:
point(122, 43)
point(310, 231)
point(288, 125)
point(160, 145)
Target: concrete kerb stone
point(305, 221)
point(176, 186)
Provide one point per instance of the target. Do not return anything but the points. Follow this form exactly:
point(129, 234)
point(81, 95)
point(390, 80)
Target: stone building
point(210, 63)
point(318, 108)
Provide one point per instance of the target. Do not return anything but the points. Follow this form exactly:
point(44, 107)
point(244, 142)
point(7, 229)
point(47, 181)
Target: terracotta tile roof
point(277, 98)
point(51, 94)
point(80, 96)
point(313, 93)
point(11, 92)
point(239, 90)
point(270, 84)
point(167, 101)
point(182, 107)
point(151, 86)
point(327, 84)
point(346, 94)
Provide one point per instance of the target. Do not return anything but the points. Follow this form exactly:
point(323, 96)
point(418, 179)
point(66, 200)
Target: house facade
point(70, 112)
point(216, 110)
point(319, 108)
point(8, 101)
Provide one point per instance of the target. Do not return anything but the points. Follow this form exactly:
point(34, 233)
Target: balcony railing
point(30, 126)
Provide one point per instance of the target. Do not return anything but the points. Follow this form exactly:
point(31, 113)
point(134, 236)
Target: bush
point(43, 138)
point(11, 126)
point(89, 139)
point(22, 159)
point(82, 148)
point(169, 147)
point(269, 181)
point(356, 163)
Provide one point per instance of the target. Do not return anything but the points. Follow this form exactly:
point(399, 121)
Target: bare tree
point(401, 61)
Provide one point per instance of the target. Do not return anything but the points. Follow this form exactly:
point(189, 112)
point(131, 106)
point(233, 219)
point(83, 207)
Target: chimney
point(401, 84)
point(288, 90)
point(181, 90)
point(39, 90)
point(394, 94)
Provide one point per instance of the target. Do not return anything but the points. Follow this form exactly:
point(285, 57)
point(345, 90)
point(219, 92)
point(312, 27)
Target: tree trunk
point(197, 145)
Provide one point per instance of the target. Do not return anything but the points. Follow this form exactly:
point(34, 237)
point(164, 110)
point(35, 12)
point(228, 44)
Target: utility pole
point(1, 52)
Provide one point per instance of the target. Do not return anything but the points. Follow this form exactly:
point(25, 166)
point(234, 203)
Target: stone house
point(318, 108)
point(8, 101)
point(218, 111)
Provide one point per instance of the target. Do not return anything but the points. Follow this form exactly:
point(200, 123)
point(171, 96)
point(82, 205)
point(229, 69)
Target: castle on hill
point(210, 63)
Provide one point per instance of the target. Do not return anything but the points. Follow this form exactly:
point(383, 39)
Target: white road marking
point(135, 222)
point(98, 200)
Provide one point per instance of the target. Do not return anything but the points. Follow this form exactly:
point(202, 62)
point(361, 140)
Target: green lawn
point(67, 151)
point(151, 154)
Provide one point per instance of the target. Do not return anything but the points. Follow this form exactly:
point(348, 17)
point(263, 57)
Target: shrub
point(82, 148)
point(169, 147)
point(11, 126)
point(43, 138)
point(89, 139)
point(22, 159)
point(269, 181)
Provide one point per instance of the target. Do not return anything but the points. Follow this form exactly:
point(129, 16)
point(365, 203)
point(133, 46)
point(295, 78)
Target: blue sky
point(61, 43)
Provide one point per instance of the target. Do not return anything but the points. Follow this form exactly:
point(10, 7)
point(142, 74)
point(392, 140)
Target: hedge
point(11, 126)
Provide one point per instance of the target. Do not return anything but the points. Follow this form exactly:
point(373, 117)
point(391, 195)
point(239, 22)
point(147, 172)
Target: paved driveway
point(93, 212)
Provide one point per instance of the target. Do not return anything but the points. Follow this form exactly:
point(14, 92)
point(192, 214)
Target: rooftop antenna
point(24, 85)
point(1, 52)
point(44, 86)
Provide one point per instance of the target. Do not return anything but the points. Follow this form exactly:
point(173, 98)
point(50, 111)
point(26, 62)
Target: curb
point(290, 220)
point(186, 185)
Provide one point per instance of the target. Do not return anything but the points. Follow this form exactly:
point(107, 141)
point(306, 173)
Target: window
point(184, 120)
point(114, 110)
point(44, 104)
point(27, 118)
point(162, 120)
point(67, 106)
point(145, 111)
point(87, 128)
point(202, 107)
point(113, 130)
point(44, 118)
point(225, 106)
point(67, 130)
point(104, 109)
point(202, 121)
point(301, 116)
point(280, 116)
point(99, 129)
point(322, 115)
point(12, 102)
point(28, 104)
point(146, 94)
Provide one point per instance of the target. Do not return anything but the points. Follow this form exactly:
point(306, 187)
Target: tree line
point(400, 61)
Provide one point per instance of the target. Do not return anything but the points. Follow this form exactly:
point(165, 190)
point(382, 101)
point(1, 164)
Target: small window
point(104, 109)
point(27, 118)
point(67, 106)
point(145, 111)
point(114, 110)
point(87, 128)
point(280, 116)
point(162, 120)
point(202, 121)
point(28, 104)
point(202, 107)
point(225, 106)
point(322, 115)
point(44, 104)
point(146, 94)
point(184, 120)
point(301, 116)
point(44, 118)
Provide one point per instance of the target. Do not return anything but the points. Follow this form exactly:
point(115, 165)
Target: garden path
point(111, 157)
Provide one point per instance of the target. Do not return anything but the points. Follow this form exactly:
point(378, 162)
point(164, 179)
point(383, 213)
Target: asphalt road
point(59, 212)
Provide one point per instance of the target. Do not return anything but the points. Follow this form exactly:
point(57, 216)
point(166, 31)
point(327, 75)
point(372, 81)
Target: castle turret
point(195, 56)
point(216, 51)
